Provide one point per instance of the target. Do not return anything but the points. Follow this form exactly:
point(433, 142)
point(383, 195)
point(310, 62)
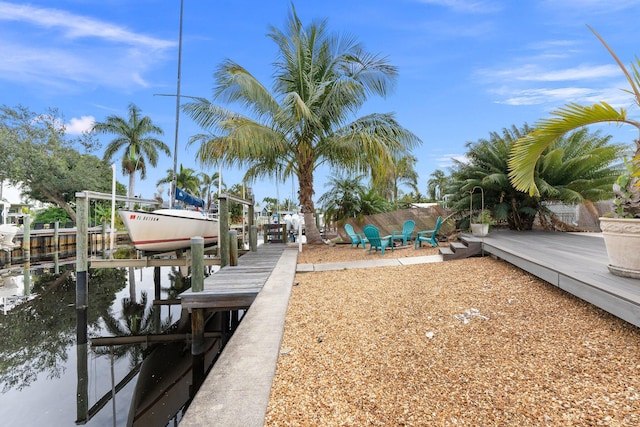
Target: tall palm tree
point(209, 186)
point(186, 179)
point(402, 172)
point(527, 151)
point(321, 80)
point(133, 136)
point(436, 184)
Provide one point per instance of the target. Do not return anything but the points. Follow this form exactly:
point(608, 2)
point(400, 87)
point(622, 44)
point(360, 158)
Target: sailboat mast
point(172, 196)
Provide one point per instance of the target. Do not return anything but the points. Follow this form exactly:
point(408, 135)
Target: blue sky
point(466, 67)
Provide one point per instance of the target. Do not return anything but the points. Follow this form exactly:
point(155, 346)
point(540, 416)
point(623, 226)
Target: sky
point(466, 67)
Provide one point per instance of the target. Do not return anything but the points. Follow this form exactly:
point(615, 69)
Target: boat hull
point(168, 229)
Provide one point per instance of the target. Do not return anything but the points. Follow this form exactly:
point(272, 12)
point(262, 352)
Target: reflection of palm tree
point(136, 319)
point(179, 283)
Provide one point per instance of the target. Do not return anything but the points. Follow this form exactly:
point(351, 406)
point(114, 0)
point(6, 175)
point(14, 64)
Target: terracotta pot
point(622, 239)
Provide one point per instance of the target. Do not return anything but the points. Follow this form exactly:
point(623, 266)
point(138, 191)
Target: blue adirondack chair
point(372, 234)
point(429, 236)
point(406, 233)
point(356, 238)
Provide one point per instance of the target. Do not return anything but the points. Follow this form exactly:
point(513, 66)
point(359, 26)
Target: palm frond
point(527, 150)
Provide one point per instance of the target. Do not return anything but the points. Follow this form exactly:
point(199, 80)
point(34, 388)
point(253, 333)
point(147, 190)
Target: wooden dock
point(574, 262)
point(235, 287)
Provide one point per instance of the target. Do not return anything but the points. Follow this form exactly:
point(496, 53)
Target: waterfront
point(39, 363)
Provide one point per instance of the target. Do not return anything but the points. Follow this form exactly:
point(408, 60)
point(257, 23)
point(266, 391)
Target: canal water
point(46, 379)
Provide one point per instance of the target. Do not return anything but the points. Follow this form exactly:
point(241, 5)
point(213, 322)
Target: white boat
point(7, 233)
point(164, 230)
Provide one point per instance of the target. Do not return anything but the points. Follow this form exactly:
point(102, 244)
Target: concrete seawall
point(236, 391)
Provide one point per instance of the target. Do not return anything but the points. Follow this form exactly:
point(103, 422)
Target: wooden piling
point(82, 298)
point(253, 238)
point(233, 247)
point(26, 250)
point(56, 248)
point(223, 238)
point(197, 264)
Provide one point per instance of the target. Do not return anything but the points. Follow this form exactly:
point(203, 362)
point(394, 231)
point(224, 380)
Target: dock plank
point(236, 287)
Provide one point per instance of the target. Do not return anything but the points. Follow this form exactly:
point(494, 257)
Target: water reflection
point(43, 374)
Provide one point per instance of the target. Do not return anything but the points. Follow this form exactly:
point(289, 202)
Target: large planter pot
point(622, 239)
point(479, 230)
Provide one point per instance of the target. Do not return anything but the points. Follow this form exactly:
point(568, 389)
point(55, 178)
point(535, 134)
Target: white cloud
point(75, 52)
point(563, 95)
point(77, 26)
point(79, 126)
point(597, 6)
point(466, 6)
point(538, 73)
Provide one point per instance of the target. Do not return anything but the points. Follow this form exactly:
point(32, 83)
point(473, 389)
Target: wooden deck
point(235, 287)
point(575, 262)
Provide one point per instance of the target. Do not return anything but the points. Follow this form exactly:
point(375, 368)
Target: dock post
point(104, 240)
point(233, 247)
point(197, 264)
point(223, 238)
point(26, 250)
point(197, 315)
point(82, 298)
point(82, 302)
point(253, 230)
point(253, 238)
point(56, 248)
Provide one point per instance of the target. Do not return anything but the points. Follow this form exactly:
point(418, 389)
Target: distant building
point(13, 203)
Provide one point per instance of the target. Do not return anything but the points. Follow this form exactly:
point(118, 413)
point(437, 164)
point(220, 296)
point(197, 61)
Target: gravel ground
point(475, 342)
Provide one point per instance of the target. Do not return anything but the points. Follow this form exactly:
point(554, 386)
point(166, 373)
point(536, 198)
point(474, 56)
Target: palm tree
point(574, 169)
point(132, 136)
point(321, 80)
point(209, 186)
point(436, 184)
point(402, 172)
point(349, 198)
point(186, 179)
point(527, 151)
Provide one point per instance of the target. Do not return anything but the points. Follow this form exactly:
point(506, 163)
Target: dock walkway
point(236, 287)
point(236, 390)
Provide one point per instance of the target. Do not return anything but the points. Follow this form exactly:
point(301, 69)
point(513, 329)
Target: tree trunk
point(305, 196)
point(132, 186)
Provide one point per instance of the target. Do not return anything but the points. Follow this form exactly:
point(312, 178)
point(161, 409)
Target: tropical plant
point(133, 137)
point(186, 179)
point(209, 187)
point(342, 200)
point(484, 217)
point(349, 198)
point(574, 169)
point(36, 154)
point(321, 80)
point(387, 181)
point(527, 151)
point(52, 214)
point(271, 204)
point(436, 183)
